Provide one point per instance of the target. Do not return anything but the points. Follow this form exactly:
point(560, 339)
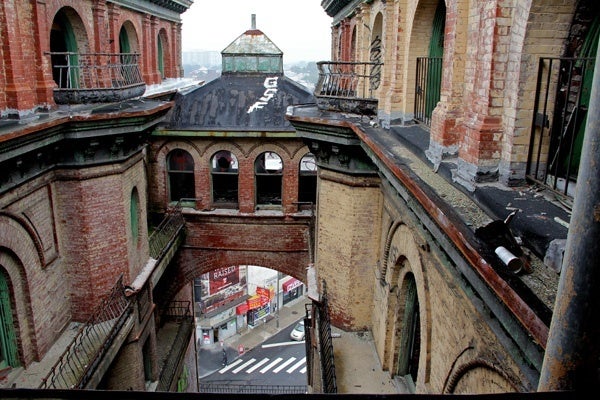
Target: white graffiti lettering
point(271, 89)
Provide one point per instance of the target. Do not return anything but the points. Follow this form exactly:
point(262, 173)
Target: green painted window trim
point(436, 50)
point(134, 212)
point(159, 57)
point(8, 342)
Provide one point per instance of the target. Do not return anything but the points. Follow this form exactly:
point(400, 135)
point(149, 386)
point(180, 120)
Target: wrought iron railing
point(78, 363)
point(220, 387)
point(96, 77)
point(167, 231)
point(326, 343)
point(348, 86)
point(427, 87)
point(180, 312)
point(558, 122)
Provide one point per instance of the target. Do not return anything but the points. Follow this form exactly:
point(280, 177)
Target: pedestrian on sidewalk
point(224, 357)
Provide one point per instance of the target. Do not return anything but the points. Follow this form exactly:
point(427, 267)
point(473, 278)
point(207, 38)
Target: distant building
point(203, 58)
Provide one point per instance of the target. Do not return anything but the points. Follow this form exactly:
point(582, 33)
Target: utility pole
point(573, 349)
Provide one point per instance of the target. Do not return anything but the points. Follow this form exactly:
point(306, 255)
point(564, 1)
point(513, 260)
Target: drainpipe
point(573, 349)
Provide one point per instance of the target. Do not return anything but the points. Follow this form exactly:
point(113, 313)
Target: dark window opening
point(307, 181)
point(268, 169)
point(181, 175)
point(224, 174)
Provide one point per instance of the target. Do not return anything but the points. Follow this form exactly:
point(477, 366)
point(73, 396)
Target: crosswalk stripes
point(273, 363)
point(285, 364)
point(295, 366)
point(251, 366)
point(257, 365)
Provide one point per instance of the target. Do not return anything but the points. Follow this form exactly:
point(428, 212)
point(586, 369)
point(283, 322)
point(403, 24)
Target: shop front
point(259, 306)
point(292, 289)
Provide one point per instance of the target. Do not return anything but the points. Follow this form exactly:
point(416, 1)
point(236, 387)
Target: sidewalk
point(357, 367)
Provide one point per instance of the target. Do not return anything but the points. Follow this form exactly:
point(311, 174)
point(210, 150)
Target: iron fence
point(348, 86)
point(180, 312)
point(326, 344)
point(558, 122)
point(166, 232)
point(221, 387)
point(427, 87)
point(77, 364)
point(96, 77)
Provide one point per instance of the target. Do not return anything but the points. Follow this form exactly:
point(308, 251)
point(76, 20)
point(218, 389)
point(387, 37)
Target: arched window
point(268, 170)
point(124, 46)
point(63, 46)
point(8, 342)
point(161, 42)
point(134, 214)
point(307, 181)
point(224, 175)
point(180, 169)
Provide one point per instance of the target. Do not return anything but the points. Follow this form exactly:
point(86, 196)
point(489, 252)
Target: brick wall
point(347, 243)
point(92, 207)
point(246, 150)
point(26, 80)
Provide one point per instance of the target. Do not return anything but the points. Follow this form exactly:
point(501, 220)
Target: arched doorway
point(410, 331)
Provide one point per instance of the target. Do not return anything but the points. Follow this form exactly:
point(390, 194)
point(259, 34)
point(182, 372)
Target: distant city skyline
point(302, 30)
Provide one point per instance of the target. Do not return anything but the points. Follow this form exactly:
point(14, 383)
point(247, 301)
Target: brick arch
point(77, 16)
point(132, 28)
point(18, 258)
point(417, 45)
point(261, 147)
point(192, 263)
point(160, 193)
point(13, 269)
point(540, 28)
point(468, 375)
point(163, 38)
point(405, 259)
point(445, 126)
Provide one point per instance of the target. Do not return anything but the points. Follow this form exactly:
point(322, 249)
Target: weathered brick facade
point(73, 203)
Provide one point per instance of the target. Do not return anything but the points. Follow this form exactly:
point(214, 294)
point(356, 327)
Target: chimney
point(253, 21)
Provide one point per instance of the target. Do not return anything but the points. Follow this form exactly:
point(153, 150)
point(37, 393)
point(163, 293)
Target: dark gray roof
point(239, 102)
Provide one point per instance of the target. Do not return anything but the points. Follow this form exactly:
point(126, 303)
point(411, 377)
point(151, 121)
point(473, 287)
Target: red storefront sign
point(263, 292)
point(291, 284)
point(241, 309)
point(258, 300)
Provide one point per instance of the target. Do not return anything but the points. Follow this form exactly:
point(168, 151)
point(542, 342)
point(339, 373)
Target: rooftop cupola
point(252, 52)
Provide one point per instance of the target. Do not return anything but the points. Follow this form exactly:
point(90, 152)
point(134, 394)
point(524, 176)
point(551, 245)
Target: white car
point(298, 332)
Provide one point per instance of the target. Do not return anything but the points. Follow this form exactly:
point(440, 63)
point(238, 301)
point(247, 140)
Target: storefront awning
point(241, 309)
point(291, 284)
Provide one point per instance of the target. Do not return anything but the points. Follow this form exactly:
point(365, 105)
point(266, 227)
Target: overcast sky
point(300, 29)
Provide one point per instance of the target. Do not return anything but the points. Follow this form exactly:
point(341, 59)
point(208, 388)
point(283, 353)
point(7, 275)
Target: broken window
point(180, 170)
point(268, 169)
point(224, 175)
point(307, 181)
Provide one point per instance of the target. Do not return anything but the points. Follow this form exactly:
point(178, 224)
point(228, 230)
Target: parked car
point(298, 332)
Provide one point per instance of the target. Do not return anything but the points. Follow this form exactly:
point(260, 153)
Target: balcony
point(83, 78)
point(560, 112)
point(348, 87)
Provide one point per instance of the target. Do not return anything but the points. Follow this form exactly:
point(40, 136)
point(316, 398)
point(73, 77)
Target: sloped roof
point(239, 102)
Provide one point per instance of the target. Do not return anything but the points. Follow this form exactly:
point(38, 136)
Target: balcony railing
point(168, 231)
point(180, 313)
point(96, 77)
point(348, 86)
point(558, 122)
point(78, 363)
